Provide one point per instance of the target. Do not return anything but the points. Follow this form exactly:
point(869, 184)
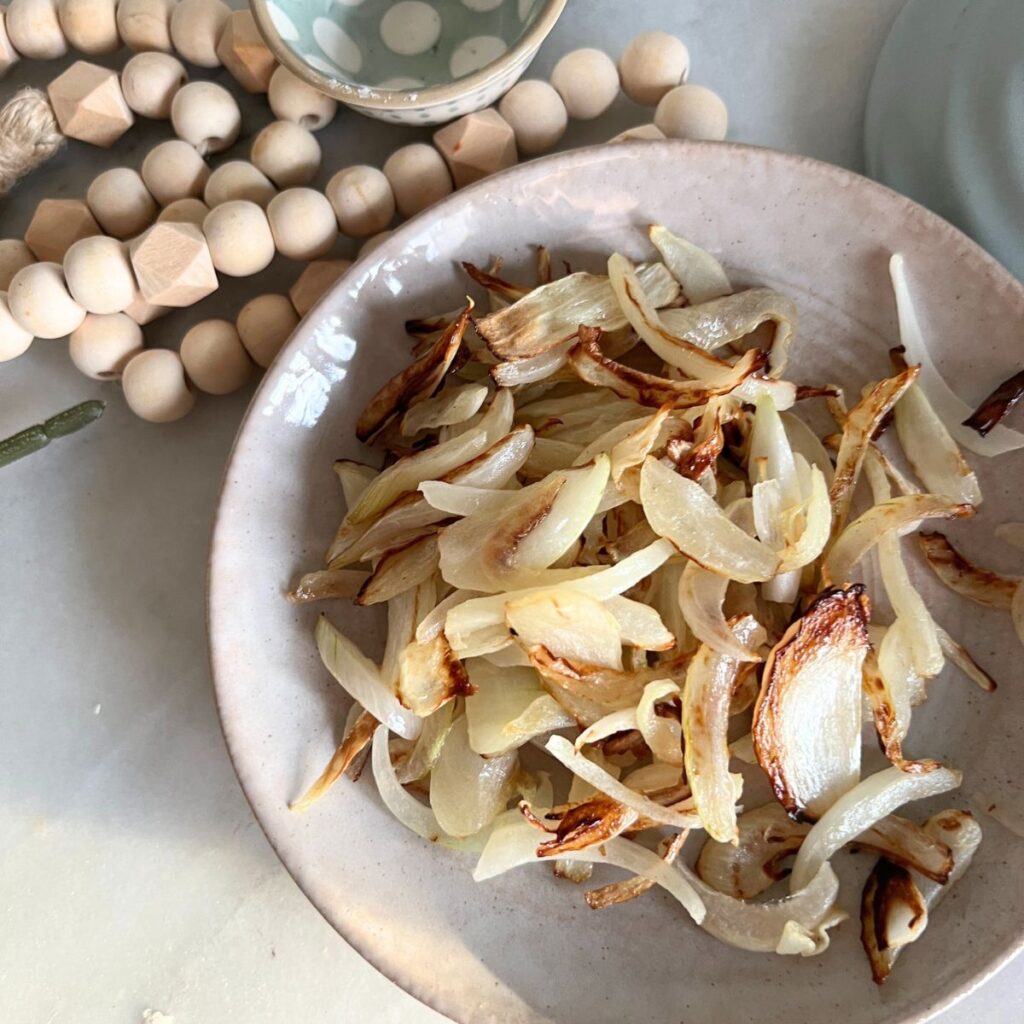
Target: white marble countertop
point(134, 877)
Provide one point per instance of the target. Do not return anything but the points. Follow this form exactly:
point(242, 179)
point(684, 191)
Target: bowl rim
point(370, 98)
point(843, 178)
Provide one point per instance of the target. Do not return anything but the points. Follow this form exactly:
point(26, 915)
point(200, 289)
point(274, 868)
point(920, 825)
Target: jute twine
point(29, 135)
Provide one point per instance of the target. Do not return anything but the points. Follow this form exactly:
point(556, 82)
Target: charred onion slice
point(355, 741)
point(892, 913)
point(416, 382)
point(864, 532)
point(570, 624)
point(995, 408)
point(807, 719)
point(982, 586)
point(961, 657)
point(399, 570)
point(551, 314)
point(589, 823)
point(630, 888)
point(698, 272)
point(429, 675)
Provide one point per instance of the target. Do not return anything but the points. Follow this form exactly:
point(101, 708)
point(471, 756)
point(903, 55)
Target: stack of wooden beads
point(145, 242)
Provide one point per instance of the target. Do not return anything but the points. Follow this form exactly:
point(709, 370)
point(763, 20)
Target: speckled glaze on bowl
point(289, 29)
point(524, 947)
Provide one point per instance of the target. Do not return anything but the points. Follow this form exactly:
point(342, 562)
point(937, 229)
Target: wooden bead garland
point(362, 199)
point(174, 170)
point(314, 281)
point(196, 26)
point(652, 64)
point(14, 254)
point(14, 339)
point(215, 358)
point(418, 176)
point(243, 52)
point(172, 264)
point(150, 82)
point(303, 223)
point(56, 225)
point(185, 211)
point(291, 99)
point(286, 153)
point(155, 386)
point(102, 346)
point(145, 24)
point(33, 27)
point(238, 234)
point(238, 179)
point(99, 275)
point(264, 324)
point(692, 112)
point(40, 301)
point(89, 26)
point(88, 104)
point(121, 203)
point(206, 116)
point(588, 82)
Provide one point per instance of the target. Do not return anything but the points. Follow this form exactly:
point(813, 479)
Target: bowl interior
point(400, 45)
point(524, 947)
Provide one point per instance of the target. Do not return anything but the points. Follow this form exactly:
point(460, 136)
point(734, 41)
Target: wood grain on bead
point(238, 179)
point(243, 52)
point(362, 200)
point(264, 324)
point(89, 105)
point(121, 203)
point(215, 358)
point(155, 387)
point(314, 281)
point(143, 312)
point(291, 99)
point(238, 234)
point(33, 27)
point(9, 56)
point(477, 145)
point(41, 303)
point(56, 225)
point(172, 265)
point(145, 24)
point(419, 177)
point(14, 339)
point(196, 26)
point(206, 116)
point(537, 115)
point(286, 153)
point(692, 112)
point(99, 275)
point(303, 223)
point(185, 211)
point(102, 346)
point(14, 254)
point(588, 82)
point(652, 64)
point(174, 170)
point(150, 81)
point(90, 26)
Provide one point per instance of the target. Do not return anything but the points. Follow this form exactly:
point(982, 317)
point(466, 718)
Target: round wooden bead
point(215, 358)
point(121, 203)
point(102, 346)
point(314, 281)
point(196, 26)
point(33, 28)
point(588, 82)
point(537, 115)
point(145, 24)
point(303, 223)
point(174, 170)
point(373, 242)
point(264, 324)
point(206, 116)
point(418, 176)
point(41, 303)
point(692, 112)
point(14, 339)
point(155, 386)
point(14, 254)
point(238, 179)
point(651, 65)
point(239, 238)
point(362, 199)
point(286, 153)
point(150, 82)
point(99, 275)
point(185, 211)
point(291, 99)
point(90, 26)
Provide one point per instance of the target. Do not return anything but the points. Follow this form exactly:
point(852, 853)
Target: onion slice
point(859, 808)
point(429, 676)
point(400, 569)
point(701, 594)
point(357, 736)
point(569, 624)
point(982, 586)
point(698, 272)
point(451, 406)
point(327, 584)
point(662, 734)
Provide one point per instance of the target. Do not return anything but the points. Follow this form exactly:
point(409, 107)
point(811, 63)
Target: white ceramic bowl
point(524, 947)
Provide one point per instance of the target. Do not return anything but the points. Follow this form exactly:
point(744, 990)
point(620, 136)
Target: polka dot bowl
point(408, 61)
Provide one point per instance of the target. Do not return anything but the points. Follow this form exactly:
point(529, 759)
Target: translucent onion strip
point(702, 277)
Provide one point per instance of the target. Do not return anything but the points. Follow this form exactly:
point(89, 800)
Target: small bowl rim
point(411, 99)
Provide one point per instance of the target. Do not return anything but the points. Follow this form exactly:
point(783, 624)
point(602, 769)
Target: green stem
point(25, 442)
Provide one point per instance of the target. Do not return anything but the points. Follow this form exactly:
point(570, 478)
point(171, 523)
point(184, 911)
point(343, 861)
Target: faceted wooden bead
point(243, 52)
point(477, 145)
point(155, 386)
point(239, 238)
point(172, 265)
point(206, 116)
point(33, 28)
point(145, 24)
point(264, 324)
point(196, 26)
point(291, 99)
point(99, 274)
point(14, 254)
point(174, 170)
point(120, 201)
point(40, 301)
point(56, 224)
point(185, 211)
point(314, 282)
point(9, 56)
point(89, 105)
point(143, 312)
point(102, 346)
point(286, 153)
point(90, 26)
point(150, 81)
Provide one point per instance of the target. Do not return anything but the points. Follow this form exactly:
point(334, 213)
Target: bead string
point(170, 256)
